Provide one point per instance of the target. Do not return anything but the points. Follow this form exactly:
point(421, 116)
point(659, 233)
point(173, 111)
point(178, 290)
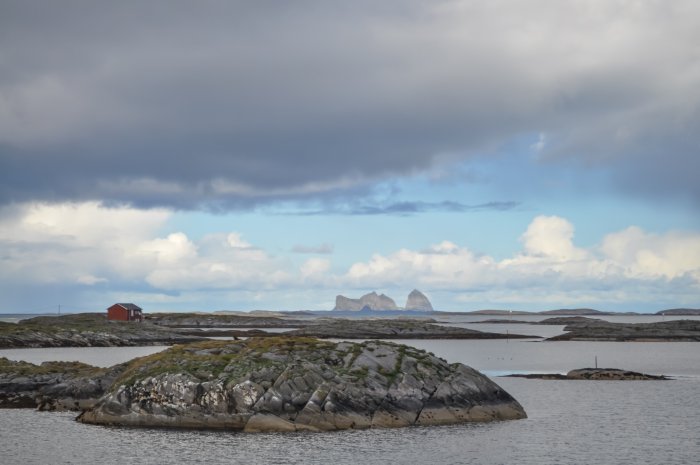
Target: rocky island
point(85, 330)
point(298, 384)
point(599, 330)
point(212, 320)
point(384, 328)
point(416, 302)
point(395, 329)
point(595, 374)
point(53, 385)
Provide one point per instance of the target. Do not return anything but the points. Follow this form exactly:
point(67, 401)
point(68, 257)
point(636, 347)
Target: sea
point(569, 422)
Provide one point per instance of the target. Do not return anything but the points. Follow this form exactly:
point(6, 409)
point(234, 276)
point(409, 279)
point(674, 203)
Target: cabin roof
point(130, 306)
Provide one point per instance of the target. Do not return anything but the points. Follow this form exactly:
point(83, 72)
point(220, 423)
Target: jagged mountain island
point(371, 301)
point(417, 301)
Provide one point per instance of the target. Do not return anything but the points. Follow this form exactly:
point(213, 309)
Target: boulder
point(299, 384)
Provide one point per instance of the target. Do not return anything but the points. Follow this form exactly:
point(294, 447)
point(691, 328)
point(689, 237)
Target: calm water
point(96, 356)
point(570, 422)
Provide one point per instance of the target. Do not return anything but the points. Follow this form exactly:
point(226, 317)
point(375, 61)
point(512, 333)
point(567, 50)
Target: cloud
point(311, 249)
point(406, 208)
point(628, 266)
point(551, 236)
point(91, 244)
point(239, 104)
point(90, 252)
point(643, 255)
point(314, 268)
point(90, 280)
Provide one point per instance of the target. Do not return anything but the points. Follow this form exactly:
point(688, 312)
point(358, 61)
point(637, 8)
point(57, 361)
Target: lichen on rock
point(292, 384)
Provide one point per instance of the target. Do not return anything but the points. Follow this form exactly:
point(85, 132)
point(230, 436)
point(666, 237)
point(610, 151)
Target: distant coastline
point(402, 312)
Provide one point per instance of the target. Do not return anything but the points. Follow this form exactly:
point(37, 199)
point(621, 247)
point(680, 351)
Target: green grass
point(29, 369)
point(207, 360)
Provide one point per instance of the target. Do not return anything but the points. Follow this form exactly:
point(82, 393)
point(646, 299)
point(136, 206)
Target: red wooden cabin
point(125, 312)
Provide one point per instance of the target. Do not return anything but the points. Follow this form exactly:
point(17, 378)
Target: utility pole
point(59, 309)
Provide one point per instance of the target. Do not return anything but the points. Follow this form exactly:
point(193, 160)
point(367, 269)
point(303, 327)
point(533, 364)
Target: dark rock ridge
point(395, 329)
point(680, 311)
point(561, 311)
point(85, 330)
point(566, 320)
point(209, 320)
point(676, 330)
point(299, 384)
point(554, 321)
point(598, 374)
point(573, 311)
point(371, 301)
point(53, 385)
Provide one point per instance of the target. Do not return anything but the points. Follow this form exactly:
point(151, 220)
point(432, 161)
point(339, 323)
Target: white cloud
point(234, 240)
point(117, 251)
point(88, 243)
point(551, 237)
point(629, 265)
point(90, 280)
point(539, 146)
point(315, 267)
point(643, 255)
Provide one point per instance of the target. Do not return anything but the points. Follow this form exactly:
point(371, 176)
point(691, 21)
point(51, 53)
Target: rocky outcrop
point(299, 384)
point(395, 329)
point(371, 301)
point(598, 374)
point(566, 320)
point(609, 374)
point(680, 311)
point(677, 330)
point(53, 385)
point(85, 330)
point(418, 301)
point(573, 311)
point(210, 320)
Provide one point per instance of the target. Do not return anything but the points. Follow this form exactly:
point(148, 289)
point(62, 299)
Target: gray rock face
point(418, 301)
point(293, 384)
point(371, 301)
point(599, 330)
point(85, 330)
point(53, 385)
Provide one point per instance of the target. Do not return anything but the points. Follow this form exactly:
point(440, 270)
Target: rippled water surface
point(570, 422)
point(573, 422)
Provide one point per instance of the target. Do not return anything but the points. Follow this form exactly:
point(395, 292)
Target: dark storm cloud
point(227, 104)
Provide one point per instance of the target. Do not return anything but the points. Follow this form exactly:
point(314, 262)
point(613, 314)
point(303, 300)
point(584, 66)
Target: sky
point(235, 155)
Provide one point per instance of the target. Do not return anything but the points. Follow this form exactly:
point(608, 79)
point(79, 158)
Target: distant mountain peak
point(417, 301)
